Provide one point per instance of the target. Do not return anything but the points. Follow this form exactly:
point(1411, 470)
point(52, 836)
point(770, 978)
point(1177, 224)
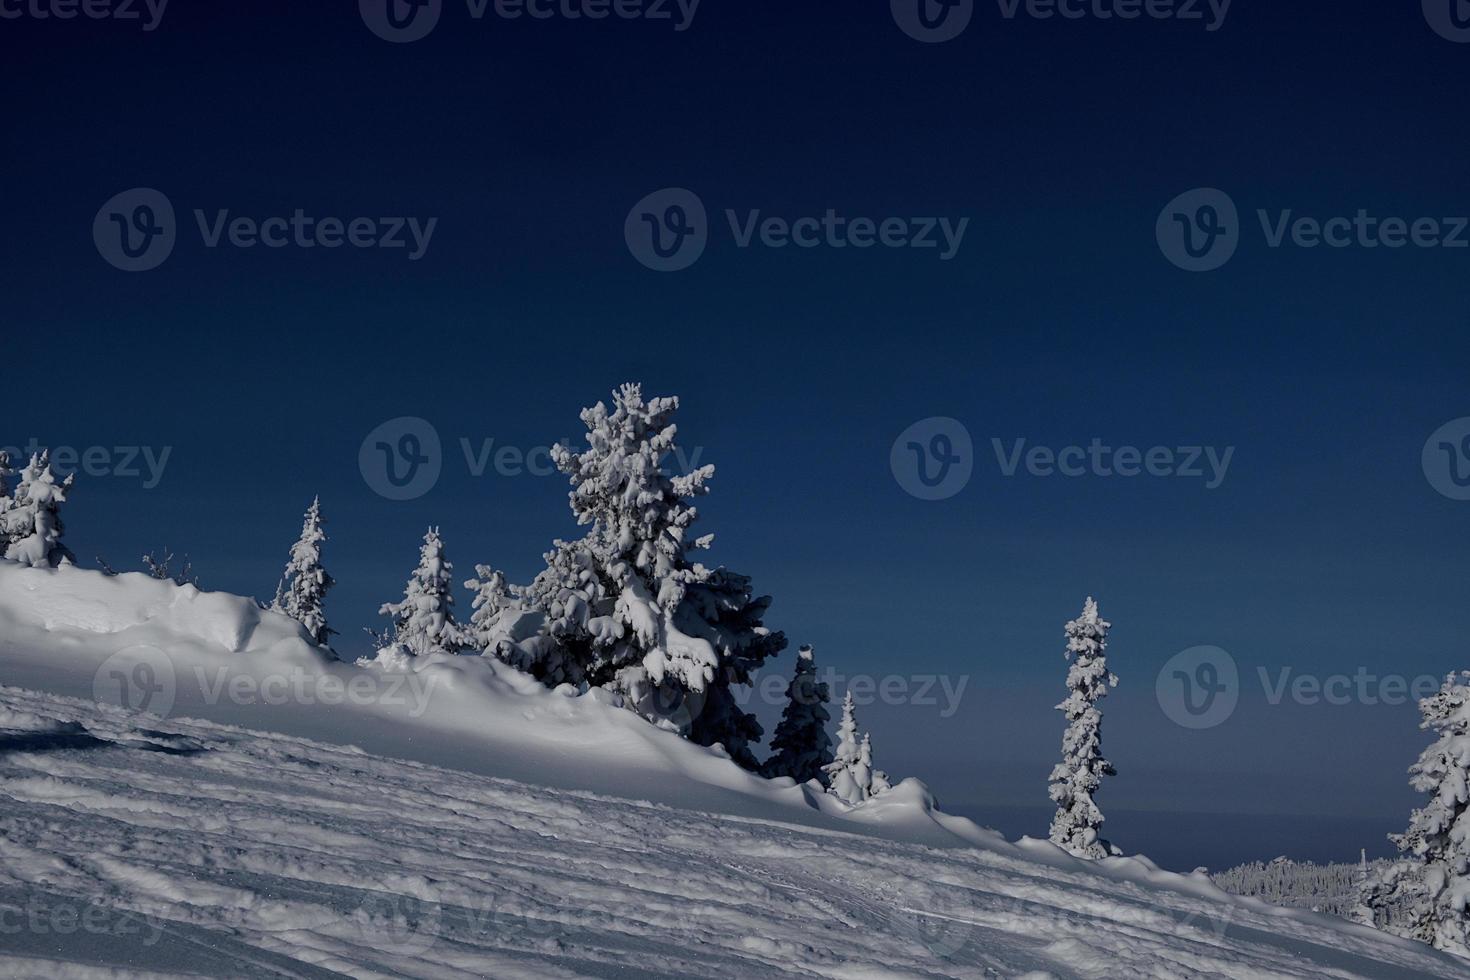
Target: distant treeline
point(1330, 888)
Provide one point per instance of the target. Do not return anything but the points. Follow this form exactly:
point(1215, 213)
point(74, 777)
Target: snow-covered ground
point(474, 825)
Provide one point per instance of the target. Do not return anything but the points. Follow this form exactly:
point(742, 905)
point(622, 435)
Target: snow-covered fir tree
point(626, 607)
point(494, 599)
point(851, 776)
point(303, 589)
point(33, 527)
point(1078, 821)
point(1426, 896)
point(800, 745)
point(423, 623)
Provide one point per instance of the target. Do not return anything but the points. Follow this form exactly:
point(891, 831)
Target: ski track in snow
point(203, 849)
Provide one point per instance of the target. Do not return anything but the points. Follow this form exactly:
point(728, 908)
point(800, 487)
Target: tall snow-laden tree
point(801, 747)
point(33, 527)
point(851, 776)
point(1426, 896)
point(423, 623)
point(303, 589)
point(1078, 821)
point(626, 607)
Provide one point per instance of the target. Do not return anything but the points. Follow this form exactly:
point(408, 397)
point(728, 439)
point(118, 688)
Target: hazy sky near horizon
point(1303, 382)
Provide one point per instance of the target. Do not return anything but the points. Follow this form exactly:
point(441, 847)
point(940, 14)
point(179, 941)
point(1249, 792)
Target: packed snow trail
point(138, 846)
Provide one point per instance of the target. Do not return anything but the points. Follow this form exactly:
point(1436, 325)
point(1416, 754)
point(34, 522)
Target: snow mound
point(236, 801)
point(247, 854)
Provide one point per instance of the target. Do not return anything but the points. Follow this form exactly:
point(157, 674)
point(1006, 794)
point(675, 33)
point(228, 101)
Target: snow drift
point(240, 803)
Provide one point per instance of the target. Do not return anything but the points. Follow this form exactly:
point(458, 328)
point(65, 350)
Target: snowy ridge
point(250, 854)
point(477, 824)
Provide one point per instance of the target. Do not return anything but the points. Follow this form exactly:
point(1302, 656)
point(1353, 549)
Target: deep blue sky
point(1325, 550)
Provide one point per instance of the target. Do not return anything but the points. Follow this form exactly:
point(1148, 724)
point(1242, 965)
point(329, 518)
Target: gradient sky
point(1325, 550)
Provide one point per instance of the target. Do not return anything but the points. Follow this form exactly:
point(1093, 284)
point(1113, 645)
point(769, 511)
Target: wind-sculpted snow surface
point(132, 846)
point(454, 818)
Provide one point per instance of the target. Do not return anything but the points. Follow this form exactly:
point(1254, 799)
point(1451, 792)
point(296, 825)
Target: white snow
point(493, 828)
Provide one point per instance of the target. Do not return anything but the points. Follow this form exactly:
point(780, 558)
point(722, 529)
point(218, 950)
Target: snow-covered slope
point(509, 832)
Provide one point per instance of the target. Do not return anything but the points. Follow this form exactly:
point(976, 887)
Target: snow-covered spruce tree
point(33, 525)
point(851, 776)
point(801, 747)
point(494, 598)
point(1077, 777)
point(877, 778)
point(626, 607)
point(1427, 895)
point(423, 623)
point(304, 584)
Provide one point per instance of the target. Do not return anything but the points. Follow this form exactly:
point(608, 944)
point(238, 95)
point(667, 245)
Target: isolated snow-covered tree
point(626, 607)
point(800, 745)
point(304, 584)
point(1426, 896)
point(33, 527)
point(423, 623)
point(1078, 821)
point(851, 776)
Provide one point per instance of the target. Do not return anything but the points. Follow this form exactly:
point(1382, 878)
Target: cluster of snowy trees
point(1331, 888)
point(30, 516)
point(626, 607)
point(1425, 895)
